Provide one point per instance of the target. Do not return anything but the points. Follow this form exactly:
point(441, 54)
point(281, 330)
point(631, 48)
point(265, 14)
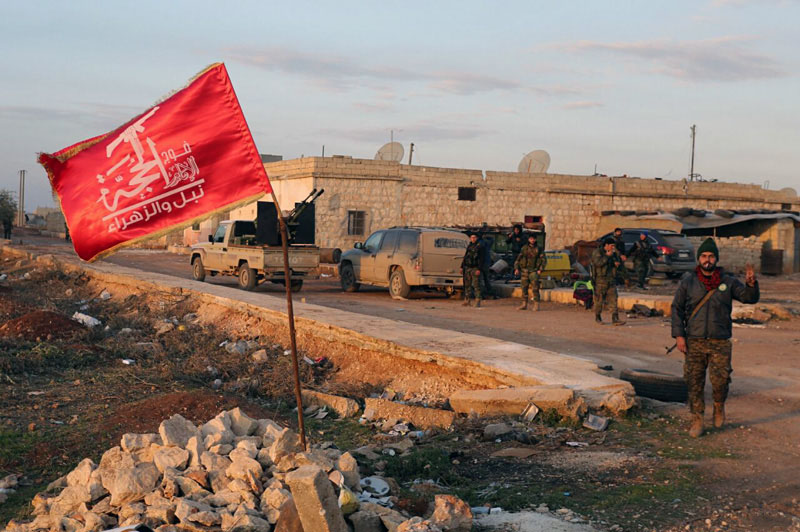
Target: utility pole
point(410, 153)
point(691, 169)
point(21, 206)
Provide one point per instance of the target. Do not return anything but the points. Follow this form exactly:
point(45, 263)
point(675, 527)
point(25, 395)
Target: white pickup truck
point(233, 250)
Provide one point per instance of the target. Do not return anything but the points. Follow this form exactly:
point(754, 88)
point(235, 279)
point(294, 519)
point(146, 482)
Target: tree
point(8, 207)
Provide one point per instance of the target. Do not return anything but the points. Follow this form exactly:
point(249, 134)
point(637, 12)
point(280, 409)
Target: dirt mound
point(40, 324)
point(197, 406)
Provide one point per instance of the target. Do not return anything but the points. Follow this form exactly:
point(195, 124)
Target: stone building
point(363, 195)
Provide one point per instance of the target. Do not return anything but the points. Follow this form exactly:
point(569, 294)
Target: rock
point(452, 514)
point(315, 500)
point(241, 423)
point(366, 521)
point(163, 328)
point(293, 461)
point(245, 522)
point(494, 430)
point(199, 475)
point(136, 442)
point(165, 514)
point(417, 524)
point(11, 481)
point(271, 502)
point(260, 356)
point(205, 518)
point(221, 449)
point(190, 488)
point(69, 500)
point(174, 457)
point(285, 442)
point(112, 461)
point(129, 510)
point(177, 430)
point(80, 475)
point(185, 507)
point(348, 466)
point(132, 484)
point(265, 426)
point(263, 457)
point(247, 450)
point(423, 418)
point(343, 406)
point(224, 498)
point(391, 519)
point(196, 448)
point(241, 466)
point(289, 520)
point(92, 522)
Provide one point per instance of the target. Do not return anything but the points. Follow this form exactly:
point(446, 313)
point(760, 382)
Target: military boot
point(598, 319)
point(466, 302)
point(478, 303)
point(696, 429)
point(523, 305)
point(615, 319)
point(719, 415)
point(536, 306)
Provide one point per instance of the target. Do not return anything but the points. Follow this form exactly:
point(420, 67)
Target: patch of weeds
point(426, 463)
point(14, 445)
point(509, 497)
point(550, 417)
point(344, 433)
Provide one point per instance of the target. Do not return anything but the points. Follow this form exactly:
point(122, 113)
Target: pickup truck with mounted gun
point(251, 249)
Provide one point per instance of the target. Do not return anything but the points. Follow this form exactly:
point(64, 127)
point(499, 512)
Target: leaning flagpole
point(290, 312)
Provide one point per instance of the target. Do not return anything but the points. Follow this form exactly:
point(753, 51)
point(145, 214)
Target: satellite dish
point(789, 192)
point(391, 151)
point(536, 162)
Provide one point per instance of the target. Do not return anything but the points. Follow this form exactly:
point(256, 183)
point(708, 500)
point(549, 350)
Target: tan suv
point(405, 257)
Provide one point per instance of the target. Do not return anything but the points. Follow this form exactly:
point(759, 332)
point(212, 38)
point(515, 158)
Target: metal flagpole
point(290, 311)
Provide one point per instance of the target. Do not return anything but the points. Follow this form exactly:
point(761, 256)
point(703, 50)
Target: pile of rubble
point(233, 473)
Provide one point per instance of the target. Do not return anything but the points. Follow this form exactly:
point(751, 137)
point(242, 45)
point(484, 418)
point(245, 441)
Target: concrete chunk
point(424, 418)
point(315, 500)
point(512, 401)
point(343, 406)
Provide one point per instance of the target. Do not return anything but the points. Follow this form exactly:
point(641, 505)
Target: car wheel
point(198, 270)
point(398, 287)
point(347, 276)
point(656, 385)
point(247, 277)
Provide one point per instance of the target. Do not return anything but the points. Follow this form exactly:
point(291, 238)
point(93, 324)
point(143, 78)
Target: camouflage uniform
point(471, 266)
point(641, 253)
point(621, 276)
point(529, 262)
point(605, 288)
point(711, 353)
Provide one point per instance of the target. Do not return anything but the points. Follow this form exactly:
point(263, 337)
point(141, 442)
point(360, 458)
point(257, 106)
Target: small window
point(466, 193)
point(355, 222)
point(786, 206)
point(533, 219)
point(408, 242)
point(196, 226)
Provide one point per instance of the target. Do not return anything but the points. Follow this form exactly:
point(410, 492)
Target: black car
point(675, 251)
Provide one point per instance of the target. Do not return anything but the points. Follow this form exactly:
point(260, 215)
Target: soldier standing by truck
point(605, 263)
point(529, 265)
point(516, 239)
point(471, 266)
point(641, 252)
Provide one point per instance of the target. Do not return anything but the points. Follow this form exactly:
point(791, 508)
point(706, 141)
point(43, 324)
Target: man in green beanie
point(701, 326)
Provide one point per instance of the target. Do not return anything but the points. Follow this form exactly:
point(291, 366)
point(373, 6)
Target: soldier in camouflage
point(471, 270)
point(641, 252)
point(530, 263)
point(701, 326)
point(605, 263)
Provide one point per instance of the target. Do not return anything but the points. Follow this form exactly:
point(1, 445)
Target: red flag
point(178, 162)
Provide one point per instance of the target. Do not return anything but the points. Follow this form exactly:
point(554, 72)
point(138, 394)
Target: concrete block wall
point(735, 252)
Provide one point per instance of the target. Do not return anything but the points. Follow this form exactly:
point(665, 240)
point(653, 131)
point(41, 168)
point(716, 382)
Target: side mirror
point(211, 238)
point(358, 245)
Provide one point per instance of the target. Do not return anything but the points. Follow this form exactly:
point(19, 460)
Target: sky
point(473, 84)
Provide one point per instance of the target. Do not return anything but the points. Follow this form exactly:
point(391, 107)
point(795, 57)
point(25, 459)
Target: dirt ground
point(69, 397)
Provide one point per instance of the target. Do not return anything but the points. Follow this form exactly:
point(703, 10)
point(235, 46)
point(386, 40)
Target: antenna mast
point(691, 169)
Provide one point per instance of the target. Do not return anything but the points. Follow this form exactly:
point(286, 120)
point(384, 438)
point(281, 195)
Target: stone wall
point(391, 194)
point(736, 251)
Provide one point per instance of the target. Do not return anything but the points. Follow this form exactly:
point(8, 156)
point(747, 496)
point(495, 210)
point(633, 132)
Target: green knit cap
point(708, 245)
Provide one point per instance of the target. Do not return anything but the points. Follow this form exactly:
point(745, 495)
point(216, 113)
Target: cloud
point(421, 132)
point(338, 73)
point(582, 105)
point(721, 59)
point(28, 112)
